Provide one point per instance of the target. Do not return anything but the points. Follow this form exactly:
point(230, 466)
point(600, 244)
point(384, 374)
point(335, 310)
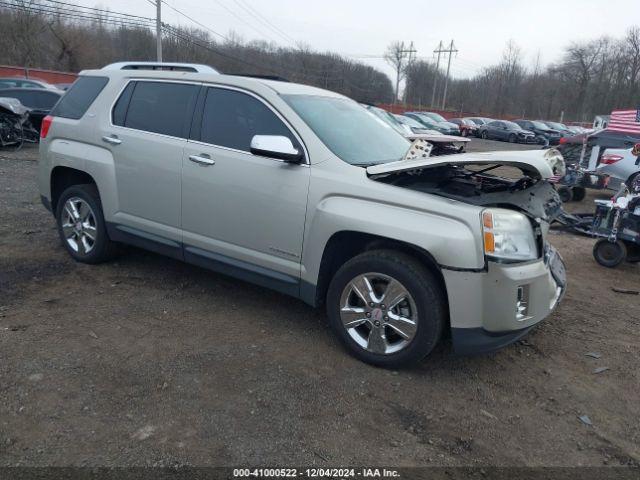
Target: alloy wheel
point(79, 225)
point(378, 313)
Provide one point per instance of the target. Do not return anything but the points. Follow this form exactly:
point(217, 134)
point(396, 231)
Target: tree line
point(592, 77)
point(34, 39)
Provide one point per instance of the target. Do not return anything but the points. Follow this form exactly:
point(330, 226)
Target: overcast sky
point(361, 28)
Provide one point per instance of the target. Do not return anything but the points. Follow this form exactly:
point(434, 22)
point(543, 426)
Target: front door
point(242, 213)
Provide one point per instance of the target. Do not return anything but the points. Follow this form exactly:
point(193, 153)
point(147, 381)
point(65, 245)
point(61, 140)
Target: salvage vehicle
point(15, 127)
point(544, 134)
point(506, 131)
point(302, 190)
point(467, 127)
point(39, 101)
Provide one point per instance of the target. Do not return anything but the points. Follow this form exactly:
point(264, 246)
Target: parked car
point(467, 127)
point(480, 120)
point(301, 190)
point(21, 82)
point(39, 101)
point(544, 134)
point(560, 127)
point(621, 163)
point(441, 144)
point(415, 125)
point(506, 131)
point(443, 127)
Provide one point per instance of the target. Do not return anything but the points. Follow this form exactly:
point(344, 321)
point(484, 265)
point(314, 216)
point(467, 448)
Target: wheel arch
point(63, 177)
point(346, 244)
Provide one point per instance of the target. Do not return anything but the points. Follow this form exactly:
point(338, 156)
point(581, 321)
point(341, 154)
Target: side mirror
point(275, 146)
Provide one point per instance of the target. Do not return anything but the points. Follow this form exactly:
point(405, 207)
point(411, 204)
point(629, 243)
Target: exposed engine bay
point(533, 196)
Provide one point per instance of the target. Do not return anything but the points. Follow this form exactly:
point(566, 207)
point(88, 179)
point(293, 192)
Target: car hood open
point(534, 163)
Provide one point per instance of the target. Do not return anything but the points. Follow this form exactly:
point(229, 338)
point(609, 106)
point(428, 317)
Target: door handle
point(113, 140)
point(202, 159)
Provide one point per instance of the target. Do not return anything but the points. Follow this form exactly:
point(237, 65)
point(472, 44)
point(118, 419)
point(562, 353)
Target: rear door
point(147, 134)
point(242, 211)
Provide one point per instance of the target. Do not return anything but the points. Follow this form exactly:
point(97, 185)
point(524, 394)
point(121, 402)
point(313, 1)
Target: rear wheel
point(386, 308)
point(609, 254)
point(81, 225)
point(483, 134)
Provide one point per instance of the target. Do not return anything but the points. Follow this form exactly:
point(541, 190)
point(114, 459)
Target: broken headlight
point(508, 235)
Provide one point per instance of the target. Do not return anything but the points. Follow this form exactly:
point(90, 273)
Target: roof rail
point(177, 67)
point(262, 77)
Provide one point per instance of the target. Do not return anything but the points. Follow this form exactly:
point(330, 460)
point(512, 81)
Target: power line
point(195, 21)
point(46, 10)
point(243, 20)
point(256, 14)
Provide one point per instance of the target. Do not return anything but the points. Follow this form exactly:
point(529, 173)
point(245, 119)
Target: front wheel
point(386, 308)
point(483, 135)
point(513, 138)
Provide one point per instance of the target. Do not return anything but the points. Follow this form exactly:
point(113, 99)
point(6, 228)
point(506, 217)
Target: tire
point(632, 178)
point(565, 194)
point(609, 254)
point(513, 138)
point(423, 302)
point(464, 133)
point(578, 193)
point(91, 224)
point(483, 135)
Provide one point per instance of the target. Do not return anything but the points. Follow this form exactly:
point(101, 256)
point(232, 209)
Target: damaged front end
point(513, 180)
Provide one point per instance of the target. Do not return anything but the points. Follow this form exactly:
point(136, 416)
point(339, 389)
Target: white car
point(621, 163)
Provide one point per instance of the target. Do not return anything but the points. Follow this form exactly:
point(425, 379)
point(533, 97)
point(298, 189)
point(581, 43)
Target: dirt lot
point(147, 361)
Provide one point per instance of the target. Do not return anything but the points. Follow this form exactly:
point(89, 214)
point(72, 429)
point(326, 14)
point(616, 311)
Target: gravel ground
point(148, 361)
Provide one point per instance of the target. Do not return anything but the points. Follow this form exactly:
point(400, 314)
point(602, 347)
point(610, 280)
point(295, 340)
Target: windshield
point(388, 118)
point(435, 116)
point(348, 130)
point(540, 125)
point(410, 121)
point(426, 120)
point(512, 125)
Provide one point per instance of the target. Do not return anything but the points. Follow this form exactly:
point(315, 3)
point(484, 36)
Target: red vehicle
point(467, 127)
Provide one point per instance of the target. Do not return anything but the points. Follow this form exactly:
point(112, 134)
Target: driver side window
point(231, 119)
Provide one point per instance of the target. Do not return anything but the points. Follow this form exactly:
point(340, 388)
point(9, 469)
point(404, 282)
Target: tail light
point(46, 125)
point(563, 140)
point(610, 158)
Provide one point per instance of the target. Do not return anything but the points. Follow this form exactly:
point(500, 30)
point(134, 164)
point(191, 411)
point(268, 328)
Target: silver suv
point(304, 191)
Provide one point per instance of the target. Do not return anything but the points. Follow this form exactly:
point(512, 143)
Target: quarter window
point(158, 107)
point(79, 98)
point(231, 119)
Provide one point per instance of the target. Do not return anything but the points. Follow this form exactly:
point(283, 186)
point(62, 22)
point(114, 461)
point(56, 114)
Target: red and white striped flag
point(627, 121)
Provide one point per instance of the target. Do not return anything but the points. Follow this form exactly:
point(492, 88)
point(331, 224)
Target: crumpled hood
point(534, 163)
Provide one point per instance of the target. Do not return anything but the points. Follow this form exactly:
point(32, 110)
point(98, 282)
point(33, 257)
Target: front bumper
point(493, 308)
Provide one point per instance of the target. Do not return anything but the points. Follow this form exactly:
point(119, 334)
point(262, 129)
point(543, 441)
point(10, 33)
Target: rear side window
point(77, 100)
point(231, 119)
point(158, 107)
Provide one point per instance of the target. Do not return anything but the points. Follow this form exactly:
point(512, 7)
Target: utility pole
point(435, 80)
point(411, 53)
point(158, 31)
point(451, 51)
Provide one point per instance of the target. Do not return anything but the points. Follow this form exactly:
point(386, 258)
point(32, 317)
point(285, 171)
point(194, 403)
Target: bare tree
point(399, 58)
